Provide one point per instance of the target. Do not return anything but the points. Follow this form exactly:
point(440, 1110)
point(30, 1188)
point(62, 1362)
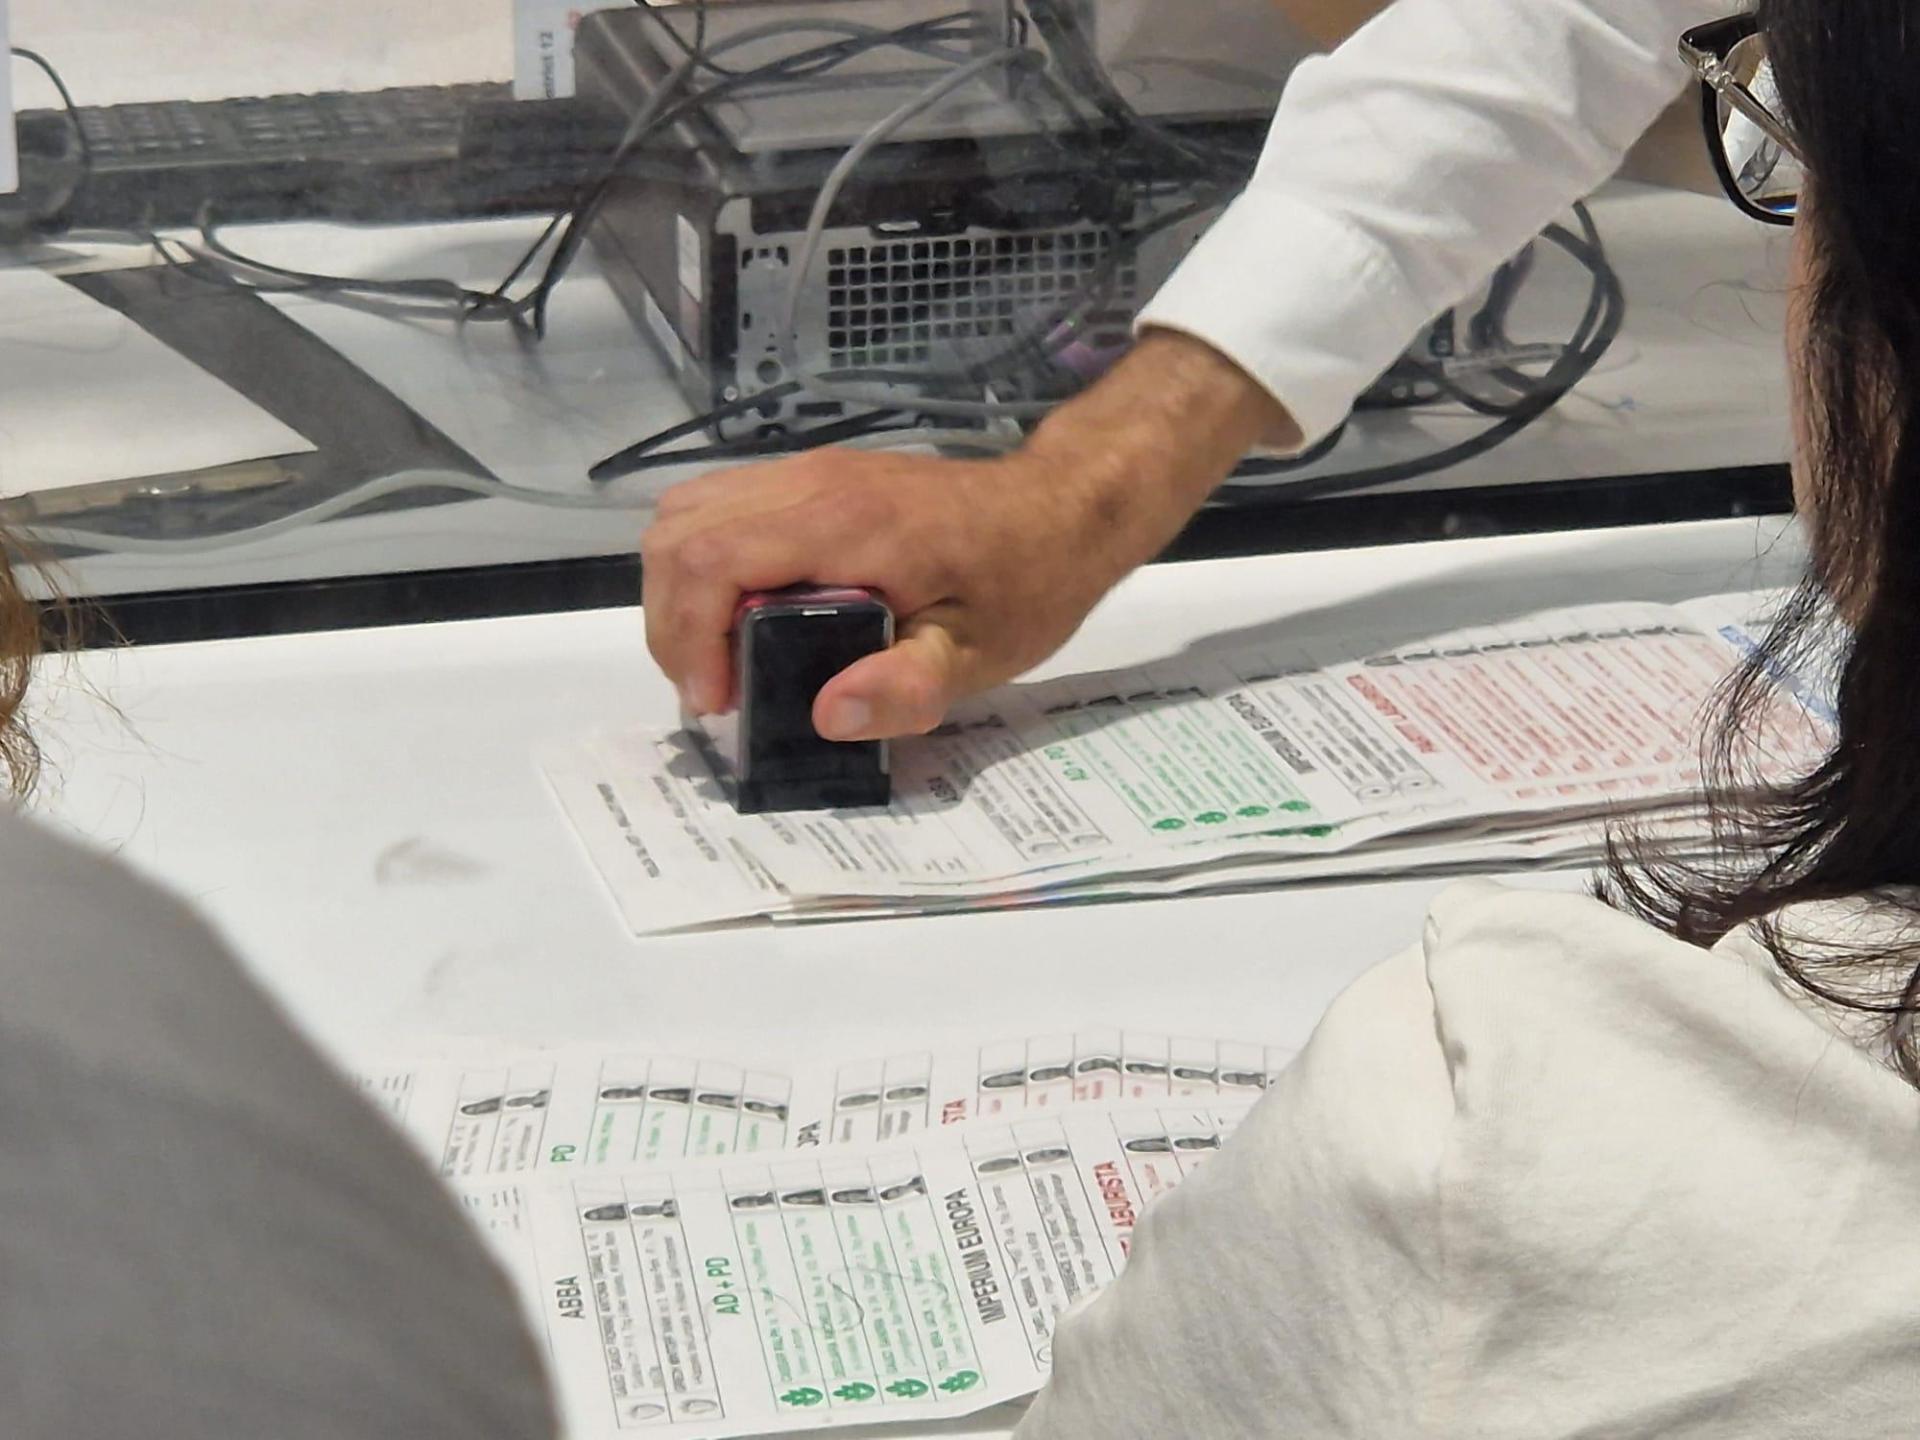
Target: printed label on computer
point(543, 46)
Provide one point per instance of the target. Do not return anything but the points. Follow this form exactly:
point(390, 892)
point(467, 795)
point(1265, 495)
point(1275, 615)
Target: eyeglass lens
point(1768, 176)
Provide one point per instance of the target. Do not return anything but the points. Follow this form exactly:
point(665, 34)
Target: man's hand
point(982, 563)
point(989, 565)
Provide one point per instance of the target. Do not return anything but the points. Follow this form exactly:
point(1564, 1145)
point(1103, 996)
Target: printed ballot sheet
point(593, 1110)
point(1244, 763)
point(919, 1280)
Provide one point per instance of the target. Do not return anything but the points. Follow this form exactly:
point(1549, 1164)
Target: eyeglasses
point(1753, 151)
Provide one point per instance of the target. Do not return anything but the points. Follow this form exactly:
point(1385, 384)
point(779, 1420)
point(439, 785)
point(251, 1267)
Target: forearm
point(1404, 167)
point(1141, 451)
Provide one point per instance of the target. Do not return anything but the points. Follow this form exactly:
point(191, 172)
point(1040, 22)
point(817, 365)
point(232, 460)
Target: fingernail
point(846, 719)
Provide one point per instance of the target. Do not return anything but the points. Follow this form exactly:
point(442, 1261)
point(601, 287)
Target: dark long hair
point(1849, 79)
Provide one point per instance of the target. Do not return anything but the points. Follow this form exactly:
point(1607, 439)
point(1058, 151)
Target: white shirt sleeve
point(1404, 167)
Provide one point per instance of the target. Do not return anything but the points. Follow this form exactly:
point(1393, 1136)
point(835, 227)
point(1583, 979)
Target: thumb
point(902, 691)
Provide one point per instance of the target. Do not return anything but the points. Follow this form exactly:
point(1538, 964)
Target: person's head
point(1847, 92)
point(1845, 83)
point(20, 639)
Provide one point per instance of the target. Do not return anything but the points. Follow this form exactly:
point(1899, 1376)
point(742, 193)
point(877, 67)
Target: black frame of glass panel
point(591, 583)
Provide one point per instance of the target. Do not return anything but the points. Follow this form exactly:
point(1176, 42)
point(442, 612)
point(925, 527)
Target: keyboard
point(409, 154)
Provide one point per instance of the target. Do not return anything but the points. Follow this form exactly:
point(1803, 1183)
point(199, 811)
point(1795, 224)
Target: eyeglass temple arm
point(1711, 69)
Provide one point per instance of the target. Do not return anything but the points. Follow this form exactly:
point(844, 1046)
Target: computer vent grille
point(901, 302)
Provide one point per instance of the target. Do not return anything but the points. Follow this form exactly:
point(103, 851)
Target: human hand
point(989, 565)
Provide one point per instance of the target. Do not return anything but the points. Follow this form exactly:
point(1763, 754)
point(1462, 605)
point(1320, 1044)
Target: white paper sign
point(9, 141)
point(543, 45)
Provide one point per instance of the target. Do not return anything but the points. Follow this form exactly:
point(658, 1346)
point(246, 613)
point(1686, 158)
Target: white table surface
point(360, 813)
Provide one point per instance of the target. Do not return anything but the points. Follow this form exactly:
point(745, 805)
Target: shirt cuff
point(1303, 302)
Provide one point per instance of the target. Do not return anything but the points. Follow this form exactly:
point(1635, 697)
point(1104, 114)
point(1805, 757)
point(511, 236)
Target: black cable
point(498, 304)
point(83, 147)
point(1489, 324)
point(1313, 454)
point(1027, 346)
point(1024, 348)
point(296, 281)
point(182, 259)
point(1599, 327)
point(1487, 329)
point(440, 292)
point(695, 49)
point(1081, 63)
point(1594, 335)
point(612, 467)
point(803, 64)
point(648, 454)
point(570, 226)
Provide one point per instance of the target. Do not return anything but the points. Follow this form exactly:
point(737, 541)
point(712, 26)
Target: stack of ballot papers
point(710, 1249)
point(1495, 747)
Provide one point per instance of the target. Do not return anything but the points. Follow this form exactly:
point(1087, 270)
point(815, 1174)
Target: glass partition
point(304, 291)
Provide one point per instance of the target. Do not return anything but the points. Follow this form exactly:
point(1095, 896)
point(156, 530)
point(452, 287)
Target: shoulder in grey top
point(203, 1230)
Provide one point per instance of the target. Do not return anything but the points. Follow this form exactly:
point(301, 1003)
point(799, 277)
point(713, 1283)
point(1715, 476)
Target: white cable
point(101, 542)
point(335, 505)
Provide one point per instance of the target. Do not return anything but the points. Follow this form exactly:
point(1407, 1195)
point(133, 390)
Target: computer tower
point(960, 240)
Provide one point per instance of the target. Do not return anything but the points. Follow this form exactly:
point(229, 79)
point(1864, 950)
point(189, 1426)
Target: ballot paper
point(914, 1281)
point(583, 1110)
point(1503, 743)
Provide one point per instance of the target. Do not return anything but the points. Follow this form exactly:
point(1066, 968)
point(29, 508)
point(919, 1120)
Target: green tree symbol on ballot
point(858, 1390)
point(1251, 812)
point(960, 1380)
point(908, 1389)
point(1170, 824)
point(1212, 817)
point(803, 1395)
